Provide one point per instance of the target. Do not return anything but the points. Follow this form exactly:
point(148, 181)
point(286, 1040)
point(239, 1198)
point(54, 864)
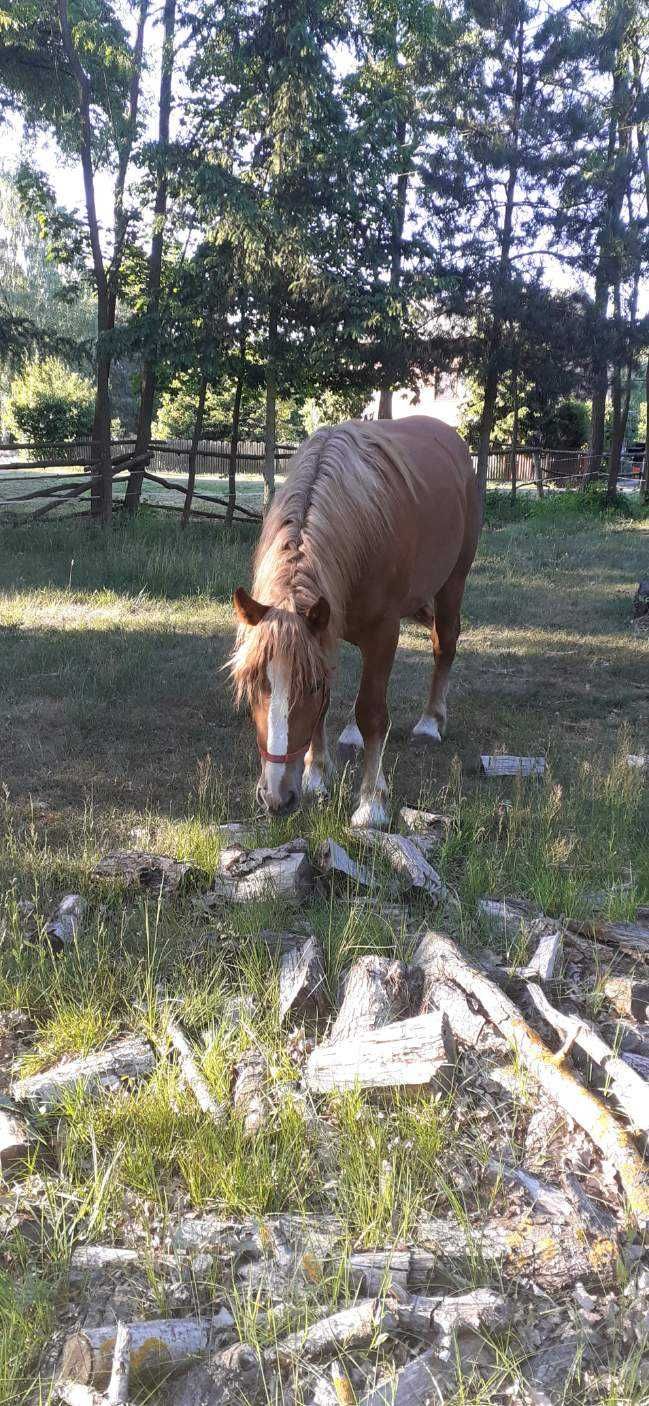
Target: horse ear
point(249, 611)
point(317, 616)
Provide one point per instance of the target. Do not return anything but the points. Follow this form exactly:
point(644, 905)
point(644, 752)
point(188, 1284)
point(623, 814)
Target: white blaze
point(277, 729)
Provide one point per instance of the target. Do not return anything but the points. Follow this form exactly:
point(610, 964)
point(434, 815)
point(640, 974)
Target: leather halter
point(299, 751)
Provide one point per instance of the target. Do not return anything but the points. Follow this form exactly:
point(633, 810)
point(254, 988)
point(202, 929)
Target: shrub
point(566, 425)
point(48, 402)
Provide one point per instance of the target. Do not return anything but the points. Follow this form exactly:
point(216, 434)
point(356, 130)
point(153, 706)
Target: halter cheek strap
point(299, 751)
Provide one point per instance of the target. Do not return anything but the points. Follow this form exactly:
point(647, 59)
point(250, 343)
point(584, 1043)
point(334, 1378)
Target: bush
point(567, 425)
point(48, 403)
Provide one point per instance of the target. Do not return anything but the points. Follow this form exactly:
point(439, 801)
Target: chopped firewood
point(407, 860)
point(190, 1070)
point(506, 916)
point(249, 1095)
point(630, 937)
point(333, 860)
point(425, 824)
point(118, 1385)
point(64, 924)
point(232, 1376)
point(638, 1063)
point(627, 996)
point(75, 1394)
point(548, 1198)
point(576, 1101)
point(131, 1058)
point(423, 1382)
point(547, 953)
point(341, 1383)
point(638, 761)
point(512, 766)
point(535, 1250)
point(625, 1036)
point(469, 1026)
point(378, 1271)
point(417, 1051)
point(88, 1258)
point(158, 873)
point(482, 1309)
point(156, 1346)
point(281, 942)
point(351, 1327)
point(15, 1136)
point(627, 1088)
point(595, 1218)
point(376, 993)
point(284, 872)
point(302, 981)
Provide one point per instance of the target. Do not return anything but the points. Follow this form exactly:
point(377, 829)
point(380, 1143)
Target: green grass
point(118, 730)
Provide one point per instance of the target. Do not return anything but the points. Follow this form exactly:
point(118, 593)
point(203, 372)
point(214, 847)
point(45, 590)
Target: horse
point(377, 522)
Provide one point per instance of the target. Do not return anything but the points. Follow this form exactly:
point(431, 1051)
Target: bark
point(627, 996)
point(158, 873)
point(575, 1101)
point(407, 860)
point(512, 766)
point(506, 916)
point(130, 1058)
point(193, 452)
point(118, 1385)
point(15, 1137)
point(234, 437)
point(284, 872)
point(376, 994)
point(621, 394)
point(628, 1089)
point(421, 1383)
point(548, 951)
point(600, 383)
point(468, 1025)
point(154, 280)
point(607, 268)
point(271, 408)
point(396, 251)
point(249, 1094)
point(629, 937)
point(644, 486)
point(413, 1052)
point(62, 928)
point(333, 860)
point(514, 446)
point(86, 1259)
point(192, 1075)
point(536, 1251)
point(302, 981)
point(425, 825)
point(156, 1346)
point(495, 338)
point(352, 1327)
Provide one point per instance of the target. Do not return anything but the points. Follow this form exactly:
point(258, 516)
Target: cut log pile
point(372, 1322)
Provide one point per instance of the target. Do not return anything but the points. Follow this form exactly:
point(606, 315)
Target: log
point(376, 993)
point(375, 1271)
point(548, 1198)
point(130, 1058)
point(629, 937)
point(628, 1088)
point(233, 1376)
point(407, 860)
point(191, 1073)
point(423, 1382)
point(334, 862)
point(638, 1062)
point(506, 916)
point(425, 825)
point(577, 1102)
point(414, 1052)
point(469, 1026)
point(284, 872)
point(280, 942)
point(156, 1346)
point(627, 996)
point(512, 766)
point(532, 1250)
point(596, 1219)
point(15, 1136)
point(158, 873)
point(74, 1394)
point(249, 1094)
point(86, 1259)
point(118, 1385)
point(65, 922)
point(302, 980)
point(544, 960)
point(351, 1327)
point(641, 599)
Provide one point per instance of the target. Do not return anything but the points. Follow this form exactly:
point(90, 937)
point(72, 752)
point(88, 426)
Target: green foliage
point(566, 425)
point(177, 412)
point(48, 403)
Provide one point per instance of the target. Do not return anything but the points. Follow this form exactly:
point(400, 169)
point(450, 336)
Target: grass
point(118, 730)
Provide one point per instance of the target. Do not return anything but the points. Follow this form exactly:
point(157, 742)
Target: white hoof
point(314, 782)
point(370, 815)
point(426, 730)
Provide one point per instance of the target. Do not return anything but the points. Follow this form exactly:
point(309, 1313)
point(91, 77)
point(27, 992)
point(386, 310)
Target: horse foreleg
point(317, 763)
point(444, 635)
point(372, 720)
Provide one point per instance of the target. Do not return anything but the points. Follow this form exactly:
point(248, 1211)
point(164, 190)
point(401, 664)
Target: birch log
point(591, 1115)
point(302, 982)
point(413, 1052)
point(352, 1327)
point(190, 1070)
point(468, 1025)
point(14, 1137)
point(630, 1091)
point(86, 1259)
point(156, 1346)
point(629, 937)
point(120, 1371)
point(131, 1058)
point(283, 872)
point(534, 1250)
point(376, 993)
point(407, 860)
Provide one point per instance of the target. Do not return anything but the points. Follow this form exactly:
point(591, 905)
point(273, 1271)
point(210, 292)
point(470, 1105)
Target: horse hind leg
point(444, 633)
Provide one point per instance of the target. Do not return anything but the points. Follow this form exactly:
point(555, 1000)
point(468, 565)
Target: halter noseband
point(299, 751)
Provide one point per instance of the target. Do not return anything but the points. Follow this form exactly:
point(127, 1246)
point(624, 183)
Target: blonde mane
point(340, 497)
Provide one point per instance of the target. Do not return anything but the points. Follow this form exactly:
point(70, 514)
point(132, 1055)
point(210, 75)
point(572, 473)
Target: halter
point(299, 751)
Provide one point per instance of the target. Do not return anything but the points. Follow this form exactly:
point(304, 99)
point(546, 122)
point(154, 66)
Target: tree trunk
point(271, 410)
point(644, 486)
point(600, 387)
point(193, 452)
point(514, 450)
point(385, 404)
point(621, 396)
point(396, 252)
point(607, 268)
point(495, 339)
point(234, 437)
point(148, 381)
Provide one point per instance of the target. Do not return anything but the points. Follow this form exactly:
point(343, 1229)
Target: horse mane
point(340, 497)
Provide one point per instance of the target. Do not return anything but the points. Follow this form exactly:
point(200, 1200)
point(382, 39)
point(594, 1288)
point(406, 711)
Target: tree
point(48, 403)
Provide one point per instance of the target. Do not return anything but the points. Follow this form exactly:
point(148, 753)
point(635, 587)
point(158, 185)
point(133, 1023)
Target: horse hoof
point(370, 815)
point(426, 733)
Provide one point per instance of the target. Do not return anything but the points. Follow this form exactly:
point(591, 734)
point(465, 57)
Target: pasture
point(118, 730)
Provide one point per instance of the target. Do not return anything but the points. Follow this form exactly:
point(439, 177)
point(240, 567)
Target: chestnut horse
point(378, 521)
